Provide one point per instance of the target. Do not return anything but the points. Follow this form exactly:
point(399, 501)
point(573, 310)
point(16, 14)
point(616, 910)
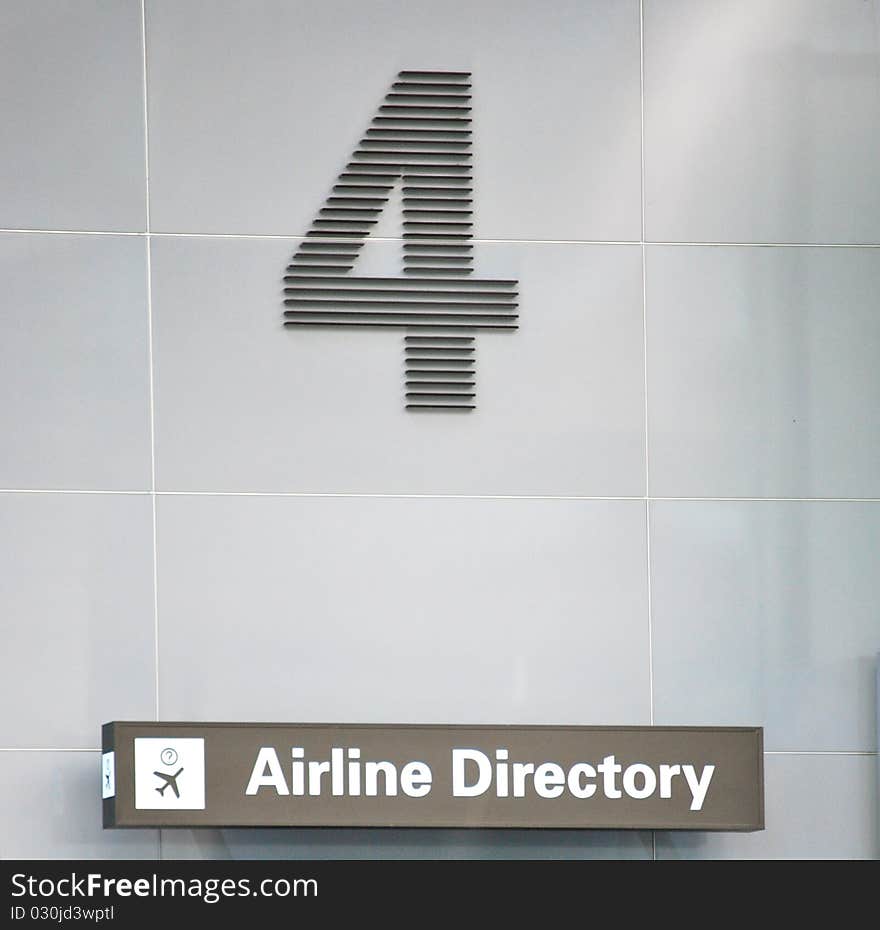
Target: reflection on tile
point(765, 613)
point(74, 368)
point(72, 146)
point(405, 844)
point(761, 121)
point(243, 404)
point(77, 607)
point(249, 126)
point(402, 610)
point(817, 807)
point(50, 808)
point(762, 368)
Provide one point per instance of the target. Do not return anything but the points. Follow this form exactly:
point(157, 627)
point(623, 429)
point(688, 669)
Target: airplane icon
point(169, 780)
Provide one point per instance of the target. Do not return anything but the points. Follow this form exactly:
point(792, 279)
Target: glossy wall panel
point(761, 121)
point(76, 601)
point(253, 112)
point(402, 610)
point(246, 405)
point(50, 807)
point(762, 372)
point(818, 807)
point(72, 145)
point(74, 365)
point(765, 612)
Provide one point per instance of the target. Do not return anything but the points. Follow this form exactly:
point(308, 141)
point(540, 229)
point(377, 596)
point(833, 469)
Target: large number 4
point(421, 139)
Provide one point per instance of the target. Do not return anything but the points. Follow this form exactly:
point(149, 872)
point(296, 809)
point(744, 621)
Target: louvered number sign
point(420, 138)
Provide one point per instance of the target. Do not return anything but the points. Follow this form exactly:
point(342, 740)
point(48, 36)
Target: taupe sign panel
point(340, 775)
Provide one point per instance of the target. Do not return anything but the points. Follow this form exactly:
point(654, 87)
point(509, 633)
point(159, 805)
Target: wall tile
point(254, 112)
point(77, 604)
point(818, 807)
point(243, 404)
point(50, 807)
point(765, 613)
point(402, 610)
point(761, 121)
point(72, 146)
point(762, 372)
point(74, 366)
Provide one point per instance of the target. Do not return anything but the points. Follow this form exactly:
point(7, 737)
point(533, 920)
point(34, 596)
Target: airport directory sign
point(156, 774)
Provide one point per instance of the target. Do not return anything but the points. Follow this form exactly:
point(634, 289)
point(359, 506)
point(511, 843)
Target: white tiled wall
point(665, 508)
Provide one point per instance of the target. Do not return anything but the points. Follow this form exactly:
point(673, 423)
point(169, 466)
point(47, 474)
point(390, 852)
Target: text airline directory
point(473, 773)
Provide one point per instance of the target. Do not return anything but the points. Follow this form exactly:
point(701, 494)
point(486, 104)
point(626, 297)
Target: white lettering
point(415, 779)
point(549, 780)
point(297, 772)
point(520, 770)
point(700, 786)
point(577, 776)
point(354, 773)
point(648, 777)
point(667, 773)
point(460, 787)
point(502, 788)
point(474, 773)
point(371, 779)
point(267, 773)
point(609, 769)
point(337, 772)
point(316, 770)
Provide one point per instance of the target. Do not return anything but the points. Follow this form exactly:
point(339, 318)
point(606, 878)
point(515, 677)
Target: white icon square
point(169, 773)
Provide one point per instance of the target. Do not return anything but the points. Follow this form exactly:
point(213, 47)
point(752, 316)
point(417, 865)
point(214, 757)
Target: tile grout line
point(49, 749)
point(794, 500)
point(645, 359)
point(746, 245)
point(143, 491)
point(149, 257)
point(73, 232)
point(290, 237)
point(448, 496)
point(150, 351)
point(149, 269)
point(645, 382)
